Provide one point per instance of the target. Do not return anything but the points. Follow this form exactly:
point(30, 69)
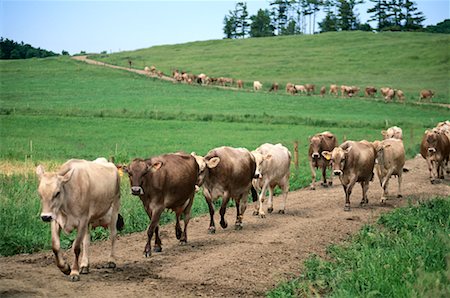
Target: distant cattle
point(291, 90)
point(353, 162)
point(370, 91)
point(390, 161)
point(392, 132)
point(323, 90)
point(334, 90)
point(349, 91)
point(228, 173)
point(240, 84)
point(257, 85)
point(274, 87)
point(147, 70)
point(272, 170)
point(289, 87)
point(320, 142)
point(400, 95)
point(390, 93)
point(310, 88)
point(82, 194)
point(300, 88)
point(165, 181)
point(426, 94)
point(384, 91)
point(435, 148)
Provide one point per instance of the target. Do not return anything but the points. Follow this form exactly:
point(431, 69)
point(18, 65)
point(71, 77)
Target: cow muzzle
point(431, 150)
point(46, 217)
point(257, 176)
point(137, 190)
point(337, 172)
point(315, 155)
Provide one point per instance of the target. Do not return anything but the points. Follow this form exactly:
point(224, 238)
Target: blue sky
point(112, 26)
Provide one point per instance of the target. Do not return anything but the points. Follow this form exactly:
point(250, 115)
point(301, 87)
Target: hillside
point(405, 60)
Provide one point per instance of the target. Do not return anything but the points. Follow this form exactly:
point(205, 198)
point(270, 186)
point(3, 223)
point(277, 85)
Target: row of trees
point(9, 49)
point(287, 17)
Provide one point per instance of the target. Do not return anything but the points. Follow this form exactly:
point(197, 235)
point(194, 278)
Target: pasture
point(56, 108)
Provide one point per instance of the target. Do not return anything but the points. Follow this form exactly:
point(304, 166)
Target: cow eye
point(57, 194)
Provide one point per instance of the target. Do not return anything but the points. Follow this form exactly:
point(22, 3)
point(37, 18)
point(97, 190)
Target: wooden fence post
point(296, 154)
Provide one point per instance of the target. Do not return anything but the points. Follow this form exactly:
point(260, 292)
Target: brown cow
point(274, 87)
point(353, 162)
point(334, 90)
point(310, 88)
point(227, 172)
point(426, 94)
point(389, 95)
point(289, 87)
point(390, 161)
point(240, 84)
point(323, 90)
point(435, 148)
point(165, 181)
point(400, 95)
point(384, 91)
point(370, 91)
point(320, 142)
point(392, 132)
point(80, 195)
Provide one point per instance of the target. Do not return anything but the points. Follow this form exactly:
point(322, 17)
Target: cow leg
point(212, 225)
point(399, 176)
point(223, 209)
point(82, 230)
point(348, 191)
point(186, 218)
point(56, 247)
point(430, 168)
point(84, 265)
point(241, 206)
point(262, 194)
point(270, 203)
point(313, 176)
point(285, 189)
point(365, 188)
point(385, 185)
point(178, 230)
point(152, 229)
point(324, 176)
point(113, 236)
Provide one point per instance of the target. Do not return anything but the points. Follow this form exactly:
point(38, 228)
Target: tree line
point(288, 17)
point(9, 49)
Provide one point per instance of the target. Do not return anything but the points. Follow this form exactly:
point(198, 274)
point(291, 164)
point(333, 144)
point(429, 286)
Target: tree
point(279, 13)
point(329, 23)
point(379, 14)
point(348, 19)
point(261, 24)
point(229, 28)
point(398, 15)
point(241, 19)
point(442, 27)
point(412, 17)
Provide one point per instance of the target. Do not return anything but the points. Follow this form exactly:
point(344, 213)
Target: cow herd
point(84, 194)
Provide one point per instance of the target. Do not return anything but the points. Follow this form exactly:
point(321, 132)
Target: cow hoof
point(157, 249)
point(281, 212)
point(66, 270)
point(223, 224)
point(212, 230)
point(255, 213)
point(312, 188)
point(330, 183)
point(262, 215)
point(270, 210)
point(347, 208)
point(147, 254)
point(183, 242)
point(111, 265)
point(84, 270)
point(382, 201)
point(178, 233)
point(74, 278)
point(238, 227)
point(325, 184)
point(399, 196)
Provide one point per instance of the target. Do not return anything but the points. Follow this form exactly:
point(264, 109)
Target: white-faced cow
point(272, 170)
point(227, 172)
point(390, 161)
point(353, 162)
point(392, 132)
point(165, 181)
point(435, 148)
point(320, 142)
point(81, 194)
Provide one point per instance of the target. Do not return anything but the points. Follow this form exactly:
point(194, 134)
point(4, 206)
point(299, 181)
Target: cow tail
point(120, 223)
point(254, 194)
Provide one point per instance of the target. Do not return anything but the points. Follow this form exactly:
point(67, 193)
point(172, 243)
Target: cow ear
point(40, 171)
point(386, 146)
point(66, 177)
point(346, 151)
point(213, 162)
point(326, 155)
point(268, 157)
point(155, 166)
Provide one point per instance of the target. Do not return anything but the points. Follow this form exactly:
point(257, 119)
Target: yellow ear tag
point(327, 156)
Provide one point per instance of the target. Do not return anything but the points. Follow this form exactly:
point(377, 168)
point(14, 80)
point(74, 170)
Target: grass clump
point(407, 254)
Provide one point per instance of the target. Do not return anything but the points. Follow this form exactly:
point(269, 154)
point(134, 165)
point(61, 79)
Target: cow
point(349, 91)
point(300, 88)
point(272, 170)
point(81, 194)
point(147, 70)
point(400, 95)
point(390, 161)
point(291, 90)
point(435, 149)
point(257, 85)
point(310, 88)
point(201, 79)
point(392, 132)
point(323, 90)
point(325, 141)
point(353, 162)
point(226, 172)
point(384, 91)
point(274, 87)
point(389, 95)
point(164, 182)
point(289, 87)
point(240, 84)
point(426, 94)
point(334, 90)
point(370, 91)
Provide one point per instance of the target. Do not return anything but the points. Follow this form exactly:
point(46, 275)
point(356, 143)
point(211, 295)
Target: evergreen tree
point(412, 17)
point(241, 19)
point(279, 14)
point(348, 20)
point(261, 24)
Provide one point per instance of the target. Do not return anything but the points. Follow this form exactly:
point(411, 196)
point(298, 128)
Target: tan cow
point(82, 194)
point(323, 90)
point(292, 90)
point(370, 91)
point(390, 161)
point(334, 90)
point(227, 172)
point(257, 85)
point(272, 170)
point(289, 87)
point(320, 142)
point(274, 87)
point(400, 95)
point(353, 162)
point(240, 84)
point(310, 88)
point(389, 95)
point(392, 132)
point(435, 148)
point(301, 88)
point(426, 94)
point(164, 182)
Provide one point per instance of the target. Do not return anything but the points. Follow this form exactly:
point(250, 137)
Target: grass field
point(408, 61)
point(57, 108)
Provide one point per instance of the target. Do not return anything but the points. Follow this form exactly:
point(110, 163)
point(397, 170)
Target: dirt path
point(230, 263)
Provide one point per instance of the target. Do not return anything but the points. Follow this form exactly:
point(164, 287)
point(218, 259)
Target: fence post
point(296, 154)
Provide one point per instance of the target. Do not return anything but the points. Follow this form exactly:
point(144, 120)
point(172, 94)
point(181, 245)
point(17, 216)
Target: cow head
point(51, 191)
point(337, 159)
point(431, 138)
point(380, 151)
point(137, 170)
point(260, 163)
point(314, 143)
point(204, 164)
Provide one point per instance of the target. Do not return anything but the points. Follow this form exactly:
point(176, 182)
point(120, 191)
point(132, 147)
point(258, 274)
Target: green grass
point(405, 255)
point(403, 60)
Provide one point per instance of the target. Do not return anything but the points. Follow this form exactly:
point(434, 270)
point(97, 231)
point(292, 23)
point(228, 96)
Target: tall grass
point(405, 255)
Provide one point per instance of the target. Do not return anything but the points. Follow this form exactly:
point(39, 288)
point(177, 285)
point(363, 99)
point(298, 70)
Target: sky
point(119, 25)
